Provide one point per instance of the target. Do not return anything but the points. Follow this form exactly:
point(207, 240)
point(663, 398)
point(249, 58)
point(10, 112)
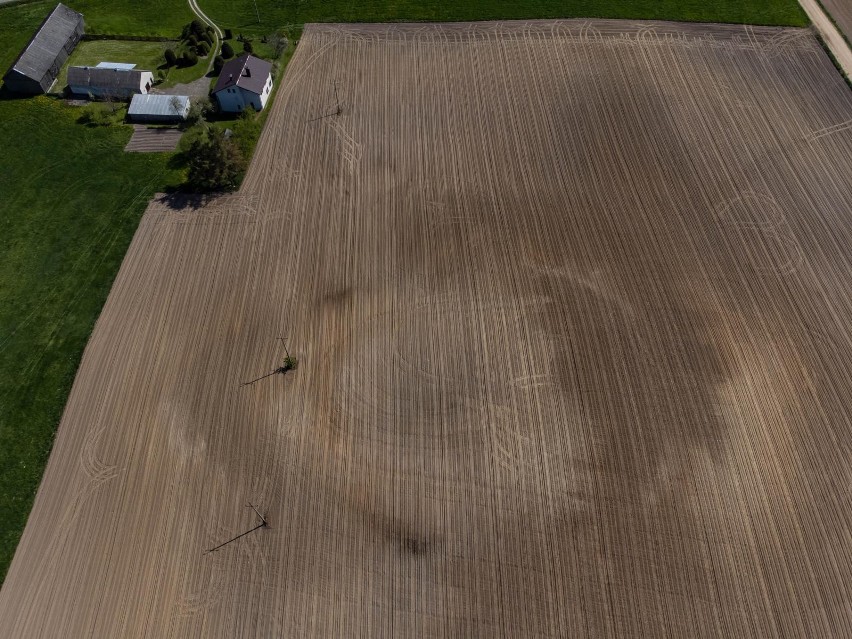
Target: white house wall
point(147, 78)
point(236, 99)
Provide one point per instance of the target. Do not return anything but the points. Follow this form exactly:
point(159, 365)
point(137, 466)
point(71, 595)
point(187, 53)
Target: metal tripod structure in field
point(290, 363)
point(263, 524)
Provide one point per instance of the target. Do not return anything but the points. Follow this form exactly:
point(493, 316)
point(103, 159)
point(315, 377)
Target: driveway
point(196, 88)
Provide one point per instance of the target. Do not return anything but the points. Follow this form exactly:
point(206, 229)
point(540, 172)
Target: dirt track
point(572, 306)
point(841, 11)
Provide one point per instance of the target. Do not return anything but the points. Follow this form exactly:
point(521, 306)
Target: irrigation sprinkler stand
point(290, 364)
point(263, 524)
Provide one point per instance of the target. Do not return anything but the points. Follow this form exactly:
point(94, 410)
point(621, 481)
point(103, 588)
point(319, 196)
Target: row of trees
point(197, 40)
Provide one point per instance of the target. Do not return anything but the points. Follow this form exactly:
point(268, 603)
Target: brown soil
point(151, 140)
point(572, 311)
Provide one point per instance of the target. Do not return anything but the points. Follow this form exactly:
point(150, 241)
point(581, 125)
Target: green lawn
point(146, 55)
point(240, 15)
point(162, 17)
point(134, 17)
point(71, 201)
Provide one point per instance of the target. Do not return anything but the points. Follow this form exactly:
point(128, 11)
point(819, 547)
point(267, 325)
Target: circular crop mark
point(758, 238)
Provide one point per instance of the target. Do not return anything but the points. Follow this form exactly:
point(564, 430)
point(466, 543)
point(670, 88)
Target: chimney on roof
point(248, 72)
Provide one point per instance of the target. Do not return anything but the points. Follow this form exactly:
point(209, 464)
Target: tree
point(197, 27)
point(247, 47)
point(215, 164)
point(171, 58)
point(202, 48)
point(189, 58)
point(192, 40)
point(175, 105)
point(198, 108)
point(218, 63)
point(228, 34)
point(278, 42)
point(227, 51)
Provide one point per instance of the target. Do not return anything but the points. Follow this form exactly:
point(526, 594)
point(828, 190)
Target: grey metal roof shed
point(39, 63)
point(158, 108)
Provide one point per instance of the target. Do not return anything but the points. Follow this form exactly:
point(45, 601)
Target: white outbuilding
point(244, 81)
point(109, 82)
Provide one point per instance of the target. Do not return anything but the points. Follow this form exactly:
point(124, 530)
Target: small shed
point(36, 68)
point(109, 82)
point(158, 108)
point(244, 81)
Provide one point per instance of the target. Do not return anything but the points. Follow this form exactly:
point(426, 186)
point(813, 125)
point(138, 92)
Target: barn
point(109, 82)
point(158, 108)
point(36, 68)
point(244, 81)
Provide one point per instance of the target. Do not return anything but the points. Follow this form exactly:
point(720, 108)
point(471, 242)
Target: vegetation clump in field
point(215, 164)
point(103, 113)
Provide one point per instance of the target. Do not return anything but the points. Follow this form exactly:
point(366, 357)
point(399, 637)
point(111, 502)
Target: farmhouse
point(36, 68)
point(109, 82)
point(158, 108)
point(245, 80)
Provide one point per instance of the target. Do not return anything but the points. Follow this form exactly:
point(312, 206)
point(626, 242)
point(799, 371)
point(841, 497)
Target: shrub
point(203, 48)
point(197, 27)
point(218, 63)
point(209, 29)
point(94, 115)
point(278, 42)
point(198, 109)
point(192, 40)
point(247, 131)
point(171, 58)
point(189, 58)
point(247, 47)
point(208, 37)
point(227, 51)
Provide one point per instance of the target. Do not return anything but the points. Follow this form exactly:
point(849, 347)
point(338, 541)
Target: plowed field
point(573, 312)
